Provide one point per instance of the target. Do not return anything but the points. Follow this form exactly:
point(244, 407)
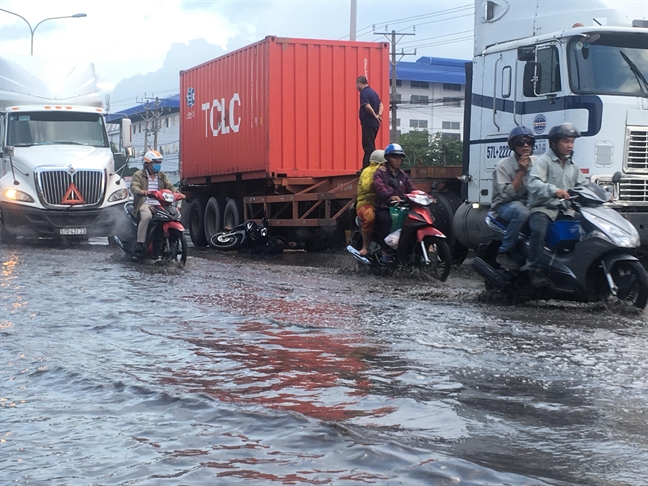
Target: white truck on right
point(540, 63)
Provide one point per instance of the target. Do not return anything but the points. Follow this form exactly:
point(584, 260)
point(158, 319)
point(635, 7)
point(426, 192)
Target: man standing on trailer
point(371, 110)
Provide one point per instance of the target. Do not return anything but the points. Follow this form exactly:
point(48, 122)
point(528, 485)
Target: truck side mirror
point(126, 133)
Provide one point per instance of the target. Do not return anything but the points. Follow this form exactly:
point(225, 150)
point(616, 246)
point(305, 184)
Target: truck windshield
point(616, 63)
point(56, 127)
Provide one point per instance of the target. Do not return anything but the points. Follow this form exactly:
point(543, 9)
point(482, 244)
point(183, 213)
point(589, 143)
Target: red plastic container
point(281, 107)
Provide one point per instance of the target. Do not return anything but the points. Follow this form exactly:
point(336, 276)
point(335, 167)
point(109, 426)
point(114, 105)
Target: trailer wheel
point(197, 223)
point(233, 214)
point(214, 217)
point(443, 211)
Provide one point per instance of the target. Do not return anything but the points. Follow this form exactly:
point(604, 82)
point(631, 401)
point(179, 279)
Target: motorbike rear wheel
point(226, 240)
point(632, 282)
point(178, 245)
point(439, 255)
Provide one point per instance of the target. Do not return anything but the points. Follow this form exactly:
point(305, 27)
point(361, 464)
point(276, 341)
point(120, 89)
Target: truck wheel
point(443, 211)
point(233, 214)
point(213, 217)
point(197, 223)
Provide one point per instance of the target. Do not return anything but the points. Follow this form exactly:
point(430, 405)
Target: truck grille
point(633, 190)
point(637, 156)
point(64, 189)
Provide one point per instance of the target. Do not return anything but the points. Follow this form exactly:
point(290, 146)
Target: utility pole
point(354, 12)
point(392, 102)
point(151, 117)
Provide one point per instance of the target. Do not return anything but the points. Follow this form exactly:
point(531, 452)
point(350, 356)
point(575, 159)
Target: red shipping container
point(281, 107)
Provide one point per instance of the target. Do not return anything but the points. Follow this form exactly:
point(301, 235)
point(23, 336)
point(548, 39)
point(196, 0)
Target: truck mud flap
point(498, 278)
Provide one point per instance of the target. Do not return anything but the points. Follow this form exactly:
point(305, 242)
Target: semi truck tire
point(197, 222)
point(444, 211)
point(233, 213)
point(213, 217)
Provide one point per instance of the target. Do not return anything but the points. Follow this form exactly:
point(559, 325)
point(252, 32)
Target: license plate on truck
point(72, 231)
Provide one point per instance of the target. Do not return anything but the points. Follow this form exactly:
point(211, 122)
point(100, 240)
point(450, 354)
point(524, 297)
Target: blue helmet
point(394, 149)
point(520, 132)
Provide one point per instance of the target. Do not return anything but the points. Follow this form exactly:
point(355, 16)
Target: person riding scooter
point(552, 175)
point(149, 176)
point(510, 191)
point(366, 198)
point(391, 184)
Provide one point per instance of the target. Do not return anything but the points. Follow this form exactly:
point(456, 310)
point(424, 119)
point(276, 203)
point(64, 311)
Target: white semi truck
point(57, 173)
point(540, 63)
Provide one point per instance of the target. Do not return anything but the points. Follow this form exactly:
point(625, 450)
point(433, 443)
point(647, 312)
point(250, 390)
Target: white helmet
point(152, 156)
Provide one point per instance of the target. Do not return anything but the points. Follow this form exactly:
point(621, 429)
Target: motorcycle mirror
point(616, 178)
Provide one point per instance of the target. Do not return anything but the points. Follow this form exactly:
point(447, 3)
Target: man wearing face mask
point(148, 177)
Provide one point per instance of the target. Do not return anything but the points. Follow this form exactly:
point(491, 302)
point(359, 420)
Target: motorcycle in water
point(165, 239)
point(420, 243)
point(590, 258)
point(249, 234)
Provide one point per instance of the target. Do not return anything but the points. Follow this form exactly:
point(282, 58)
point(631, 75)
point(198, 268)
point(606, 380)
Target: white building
point(430, 96)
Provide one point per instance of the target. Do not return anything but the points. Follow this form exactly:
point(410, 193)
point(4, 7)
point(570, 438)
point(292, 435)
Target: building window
point(167, 122)
point(451, 87)
point(398, 122)
point(451, 101)
point(419, 100)
point(399, 82)
point(450, 136)
point(396, 97)
point(448, 125)
point(418, 123)
point(420, 84)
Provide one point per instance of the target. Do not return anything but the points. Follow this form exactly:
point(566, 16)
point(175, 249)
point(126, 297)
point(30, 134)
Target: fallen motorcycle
point(590, 258)
point(248, 235)
point(165, 239)
point(419, 245)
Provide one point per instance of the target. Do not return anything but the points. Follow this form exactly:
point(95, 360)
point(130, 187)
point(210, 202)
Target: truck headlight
point(17, 195)
point(118, 195)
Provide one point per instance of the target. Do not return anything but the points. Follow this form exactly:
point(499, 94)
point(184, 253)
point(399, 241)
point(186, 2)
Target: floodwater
point(300, 370)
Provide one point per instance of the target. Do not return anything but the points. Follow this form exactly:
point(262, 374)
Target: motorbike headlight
point(619, 236)
point(118, 195)
point(17, 195)
point(169, 197)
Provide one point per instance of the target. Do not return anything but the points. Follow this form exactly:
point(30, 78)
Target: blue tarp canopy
point(433, 70)
point(172, 102)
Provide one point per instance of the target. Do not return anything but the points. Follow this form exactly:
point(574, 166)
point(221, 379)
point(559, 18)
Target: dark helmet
point(518, 133)
point(394, 149)
point(566, 130)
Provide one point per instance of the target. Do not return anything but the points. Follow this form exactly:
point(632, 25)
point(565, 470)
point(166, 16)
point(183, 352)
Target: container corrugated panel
point(280, 108)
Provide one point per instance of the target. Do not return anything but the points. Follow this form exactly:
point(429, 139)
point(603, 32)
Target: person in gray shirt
point(510, 191)
point(551, 176)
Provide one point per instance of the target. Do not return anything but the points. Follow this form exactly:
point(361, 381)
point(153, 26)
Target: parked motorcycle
point(590, 258)
point(250, 235)
point(420, 243)
point(165, 239)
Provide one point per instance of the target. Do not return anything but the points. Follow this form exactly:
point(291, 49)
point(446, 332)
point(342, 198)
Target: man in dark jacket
point(391, 184)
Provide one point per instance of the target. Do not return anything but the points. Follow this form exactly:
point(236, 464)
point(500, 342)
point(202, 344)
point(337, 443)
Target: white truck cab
point(541, 63)
point(57, 176)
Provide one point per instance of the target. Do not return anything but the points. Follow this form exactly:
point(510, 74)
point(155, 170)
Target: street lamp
point(75, 16)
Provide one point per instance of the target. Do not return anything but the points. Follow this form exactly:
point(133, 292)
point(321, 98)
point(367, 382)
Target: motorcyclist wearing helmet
point(391, 184)
point(551, 176)
point(149, 176)
point(366, 198)
point(510, 191)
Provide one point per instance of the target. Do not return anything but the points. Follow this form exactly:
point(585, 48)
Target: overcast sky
point(139, 46)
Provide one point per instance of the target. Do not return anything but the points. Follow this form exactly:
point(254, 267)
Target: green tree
point(421, 149)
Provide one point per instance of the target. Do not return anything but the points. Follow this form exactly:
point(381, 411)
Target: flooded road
point(297, 369)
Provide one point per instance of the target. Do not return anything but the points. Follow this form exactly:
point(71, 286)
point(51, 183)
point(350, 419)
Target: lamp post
point(75, 16)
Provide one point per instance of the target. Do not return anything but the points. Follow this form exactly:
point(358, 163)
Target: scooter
point(590, 258)
point(250, 235)
point(165, 239)
point(420, 243)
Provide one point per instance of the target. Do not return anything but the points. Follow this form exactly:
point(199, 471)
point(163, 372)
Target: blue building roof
point(171, 102)
point(432, 70)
